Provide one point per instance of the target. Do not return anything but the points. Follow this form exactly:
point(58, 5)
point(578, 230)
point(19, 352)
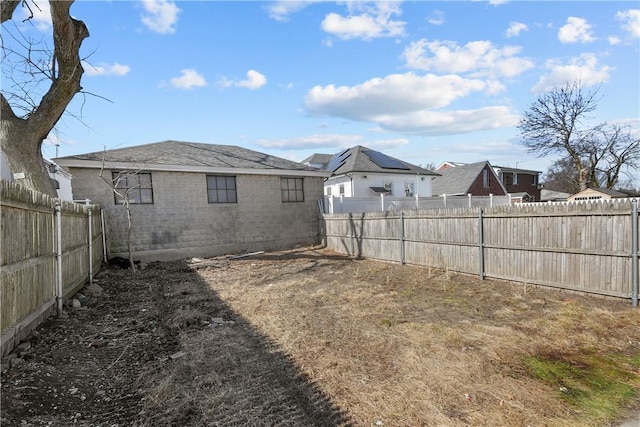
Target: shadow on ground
point(158, 348)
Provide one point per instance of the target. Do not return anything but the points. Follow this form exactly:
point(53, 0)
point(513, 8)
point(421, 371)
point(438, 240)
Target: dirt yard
point(310, 337)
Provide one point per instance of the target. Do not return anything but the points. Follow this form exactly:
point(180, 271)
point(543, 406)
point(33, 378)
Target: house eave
point(91, 164)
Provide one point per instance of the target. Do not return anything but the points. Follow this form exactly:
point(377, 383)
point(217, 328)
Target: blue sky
point(425, 82)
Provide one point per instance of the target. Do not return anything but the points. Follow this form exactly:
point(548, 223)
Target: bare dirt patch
point(310, 337)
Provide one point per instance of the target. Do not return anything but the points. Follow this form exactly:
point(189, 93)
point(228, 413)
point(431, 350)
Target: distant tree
point(27, 114)
point(593, 156)
point(428, 166)
point(561, 176)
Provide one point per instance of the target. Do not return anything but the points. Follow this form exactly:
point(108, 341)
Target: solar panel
point(384, 161)
point(338, 160)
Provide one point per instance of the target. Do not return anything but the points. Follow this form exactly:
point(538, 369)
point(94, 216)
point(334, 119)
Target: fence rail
point(584, 246)
point(34, 272)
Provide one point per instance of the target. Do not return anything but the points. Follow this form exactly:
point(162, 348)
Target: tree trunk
point(22, 150)
point(21, 138)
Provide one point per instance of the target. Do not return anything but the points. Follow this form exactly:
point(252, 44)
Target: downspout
point(58, 210)
point(353, 191)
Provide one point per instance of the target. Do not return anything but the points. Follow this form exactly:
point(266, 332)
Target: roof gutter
point(92, 164)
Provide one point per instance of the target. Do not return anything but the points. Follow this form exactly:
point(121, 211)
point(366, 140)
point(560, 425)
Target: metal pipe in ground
point(634, 252)
point(59, 295)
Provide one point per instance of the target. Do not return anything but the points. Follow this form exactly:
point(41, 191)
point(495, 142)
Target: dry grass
point(407, 346)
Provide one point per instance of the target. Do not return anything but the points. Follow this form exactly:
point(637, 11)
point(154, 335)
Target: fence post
point(381, 202)
point(58, 231)
point(445, 200)
point(402, 260)
point(417, 202)
point(469, 195)
point(353, 234)
point(480, 244)
point(491, 199)
point(634, 252)
point(90, 232)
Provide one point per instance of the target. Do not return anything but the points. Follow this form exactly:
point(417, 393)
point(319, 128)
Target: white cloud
point(189, 79)
point(436, 18)
point(161, 16)
point(386, 144)
point(584, 68)
point(365, 21)
point(480, 58)
point(312, 142)
point(405, 102)
point(102, 69)
point(282, 9)
point(630, 21)
point(515, 28)
point(613, 40)
point(333, 142)
point(254, 80)
point(41, 14)
point(575, 30)
point(450, 122)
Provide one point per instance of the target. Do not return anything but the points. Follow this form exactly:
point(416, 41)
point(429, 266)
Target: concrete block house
point(192, 199)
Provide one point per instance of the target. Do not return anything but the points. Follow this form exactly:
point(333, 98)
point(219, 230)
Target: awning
point(380, 190)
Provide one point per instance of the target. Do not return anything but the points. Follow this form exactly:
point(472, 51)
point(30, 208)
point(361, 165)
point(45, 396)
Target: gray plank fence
point(588, 247)
point(50, 249)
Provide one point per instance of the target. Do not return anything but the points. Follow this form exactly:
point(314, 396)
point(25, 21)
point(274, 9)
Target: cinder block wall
point(181, 223)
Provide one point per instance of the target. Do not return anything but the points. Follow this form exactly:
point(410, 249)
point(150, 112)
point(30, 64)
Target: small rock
point(23, 348)
point(177, 355)
point(82, 298)
point(63, 315)
point(75, 303)
point(16, 362)
point(93, 290)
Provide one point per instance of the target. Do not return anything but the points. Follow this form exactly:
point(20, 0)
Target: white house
point(363, 172)
point(60, 178)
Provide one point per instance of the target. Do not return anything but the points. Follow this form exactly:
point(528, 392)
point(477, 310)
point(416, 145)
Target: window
point(515, 178)
point(221, 189)
point(292, 189)
point(328, 191)
point(485, 178)
point(535, 180)
point(341, 189)
point(132, 185)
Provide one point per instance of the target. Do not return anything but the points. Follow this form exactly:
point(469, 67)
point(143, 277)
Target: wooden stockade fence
point(33, 268)
point(582, 246)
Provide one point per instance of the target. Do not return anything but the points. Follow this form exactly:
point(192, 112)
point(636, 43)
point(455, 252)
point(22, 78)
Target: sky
point(422, 81)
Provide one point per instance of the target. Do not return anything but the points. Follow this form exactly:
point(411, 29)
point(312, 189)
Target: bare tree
point(552, 124)
point(26, 121)
point(562, 176)
point(121, 184)
point(619, 154)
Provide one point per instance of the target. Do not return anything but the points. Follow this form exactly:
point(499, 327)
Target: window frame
point(139, 188)
point(485, 178)
point(226, 190)
point(286, 191)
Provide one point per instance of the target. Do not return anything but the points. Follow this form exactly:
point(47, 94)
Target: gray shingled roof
point(457, 180)
point(358, 161)
point(193, 154)
point(318, 158)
